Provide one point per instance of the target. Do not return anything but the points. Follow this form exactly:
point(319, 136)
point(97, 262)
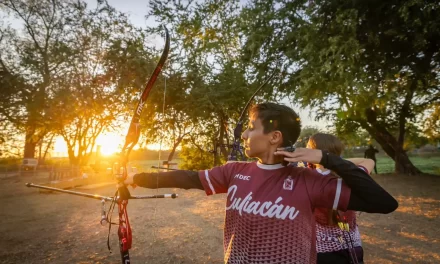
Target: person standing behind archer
point(333, 244)
point(370, 153)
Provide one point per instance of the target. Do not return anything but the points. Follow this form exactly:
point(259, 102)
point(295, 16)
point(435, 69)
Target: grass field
point(427, 164)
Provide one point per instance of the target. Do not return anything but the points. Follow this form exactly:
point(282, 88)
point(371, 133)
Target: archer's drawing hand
point(301, 154)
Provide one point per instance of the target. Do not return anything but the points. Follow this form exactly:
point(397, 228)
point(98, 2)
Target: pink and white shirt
point(269, 210)
point(330, 238)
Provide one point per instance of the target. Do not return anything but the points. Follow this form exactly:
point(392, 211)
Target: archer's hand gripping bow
point(122, 195)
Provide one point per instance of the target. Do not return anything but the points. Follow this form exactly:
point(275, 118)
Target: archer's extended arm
point(183, 179)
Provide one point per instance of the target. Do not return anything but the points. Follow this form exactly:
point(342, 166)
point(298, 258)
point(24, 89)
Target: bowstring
point(159, 161)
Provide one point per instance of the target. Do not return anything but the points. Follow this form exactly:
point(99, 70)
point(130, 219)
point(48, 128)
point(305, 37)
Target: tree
point(195, 154)
point(82, 116)
point(431, 125)
point(90, 96)
point(306, 133)
point(353, 137)
point(366, 64)
point(9, 104)
point(206, 51)
point(36, 56)
point(69, 71)
point(10, 141)
point(170, 129)
point(166, 119)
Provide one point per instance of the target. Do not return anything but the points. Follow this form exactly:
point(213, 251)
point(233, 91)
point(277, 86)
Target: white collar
point(326, 172)
point(269, 166)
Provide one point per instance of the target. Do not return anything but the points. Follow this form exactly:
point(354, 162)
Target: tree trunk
point(47, 149)
point(30, 144)
point(73, 160)
point(391, 146)
point(173, 150)
point(40, 150)
point(403, 164)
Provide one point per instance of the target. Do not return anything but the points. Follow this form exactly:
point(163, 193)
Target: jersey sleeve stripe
point(338, 194)
point(209, 181)
point(363, 168)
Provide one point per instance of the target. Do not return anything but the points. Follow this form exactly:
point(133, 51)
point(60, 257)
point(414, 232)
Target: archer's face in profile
point(256, 142)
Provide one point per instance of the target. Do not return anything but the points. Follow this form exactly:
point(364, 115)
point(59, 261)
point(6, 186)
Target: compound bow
point(122, 194)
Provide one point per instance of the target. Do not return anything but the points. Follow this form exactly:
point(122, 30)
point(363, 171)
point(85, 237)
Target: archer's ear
point(276, 138)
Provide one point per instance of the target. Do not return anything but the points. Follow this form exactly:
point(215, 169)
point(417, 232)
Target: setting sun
point(110, 143)
point(59, 148)
point(154, 146)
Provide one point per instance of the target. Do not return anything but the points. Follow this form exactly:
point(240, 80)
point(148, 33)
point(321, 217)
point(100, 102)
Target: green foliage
point(306, 133)
point(431, 124)
point(415, 138)
point(369, 64)
point(195, 159)
point(354, 138)
point(215, 83)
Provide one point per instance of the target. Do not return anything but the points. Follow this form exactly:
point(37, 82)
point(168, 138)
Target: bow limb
point(134, 130)
point(236, 148)
point(122, 195)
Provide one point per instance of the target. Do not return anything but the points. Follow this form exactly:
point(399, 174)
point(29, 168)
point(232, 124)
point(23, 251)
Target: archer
point(269, 206)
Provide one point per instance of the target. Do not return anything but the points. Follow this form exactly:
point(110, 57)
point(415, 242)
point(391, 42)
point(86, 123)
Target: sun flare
point(155, 146)
point(110, 143)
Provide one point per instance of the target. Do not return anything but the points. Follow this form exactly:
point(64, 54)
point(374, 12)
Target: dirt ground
point(60, 228)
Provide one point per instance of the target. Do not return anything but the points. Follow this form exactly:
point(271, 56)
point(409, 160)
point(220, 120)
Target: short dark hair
point(278, 117)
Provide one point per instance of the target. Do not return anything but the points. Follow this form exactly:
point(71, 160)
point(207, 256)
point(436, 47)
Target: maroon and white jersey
point(330, 238)
point(269, 210)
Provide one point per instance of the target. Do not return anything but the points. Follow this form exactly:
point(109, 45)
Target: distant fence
point(64, 173)
point(9, 171)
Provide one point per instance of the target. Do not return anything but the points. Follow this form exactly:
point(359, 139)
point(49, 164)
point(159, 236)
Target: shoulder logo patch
point(288, 184)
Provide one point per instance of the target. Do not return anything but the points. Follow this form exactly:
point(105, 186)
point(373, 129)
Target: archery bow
point(124, 231)
point(236, 148)
point(122, 194)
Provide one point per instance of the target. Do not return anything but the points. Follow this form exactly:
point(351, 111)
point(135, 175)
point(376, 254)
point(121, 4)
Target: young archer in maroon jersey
point(269, 206)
